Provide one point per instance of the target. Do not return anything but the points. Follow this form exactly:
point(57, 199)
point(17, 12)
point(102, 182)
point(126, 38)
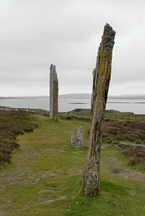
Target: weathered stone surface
point(93, 90)
point(135, 150)
point(77, 137)
point(101, 80)
point(53, 92)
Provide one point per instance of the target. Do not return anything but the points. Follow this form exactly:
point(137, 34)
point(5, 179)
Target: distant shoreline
point(7, 108)
point(46, 112)
point(68, 103)
point(78, 96)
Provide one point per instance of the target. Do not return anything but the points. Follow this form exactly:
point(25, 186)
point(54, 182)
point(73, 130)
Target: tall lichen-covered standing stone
point(101, 79)
point(53, 92)
point(93, 89)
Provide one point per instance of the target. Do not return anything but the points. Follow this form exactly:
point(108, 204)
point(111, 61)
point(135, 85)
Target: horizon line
point(115, 95)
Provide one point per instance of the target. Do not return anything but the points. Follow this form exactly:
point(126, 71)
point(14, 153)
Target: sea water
point(67, 103)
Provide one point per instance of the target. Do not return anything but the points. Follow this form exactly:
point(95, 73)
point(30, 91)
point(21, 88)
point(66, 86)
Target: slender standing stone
point(53, 92)
point(101, 80)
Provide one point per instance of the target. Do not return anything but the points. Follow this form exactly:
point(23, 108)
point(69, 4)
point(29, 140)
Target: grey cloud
point(34, 34)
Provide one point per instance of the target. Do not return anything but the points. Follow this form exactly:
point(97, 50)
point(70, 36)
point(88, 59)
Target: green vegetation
point(13, 123)
point(44, 177)
point(118, 126)
point(84, 114)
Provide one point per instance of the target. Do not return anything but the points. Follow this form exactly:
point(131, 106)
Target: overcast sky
point(36, 33)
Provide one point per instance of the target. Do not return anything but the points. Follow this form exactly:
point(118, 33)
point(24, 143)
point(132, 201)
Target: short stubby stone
point(77, 139)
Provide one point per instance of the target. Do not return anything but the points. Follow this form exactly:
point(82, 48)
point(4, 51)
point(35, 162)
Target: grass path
point(45, 174)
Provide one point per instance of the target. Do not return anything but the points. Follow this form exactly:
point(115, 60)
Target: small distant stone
point(77, 137)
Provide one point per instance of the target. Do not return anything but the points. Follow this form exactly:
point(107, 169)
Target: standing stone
point(77, 137)
point(102, 74)
point(53, 92)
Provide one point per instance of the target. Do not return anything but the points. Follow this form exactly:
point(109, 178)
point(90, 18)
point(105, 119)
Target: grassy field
point(44, 177)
